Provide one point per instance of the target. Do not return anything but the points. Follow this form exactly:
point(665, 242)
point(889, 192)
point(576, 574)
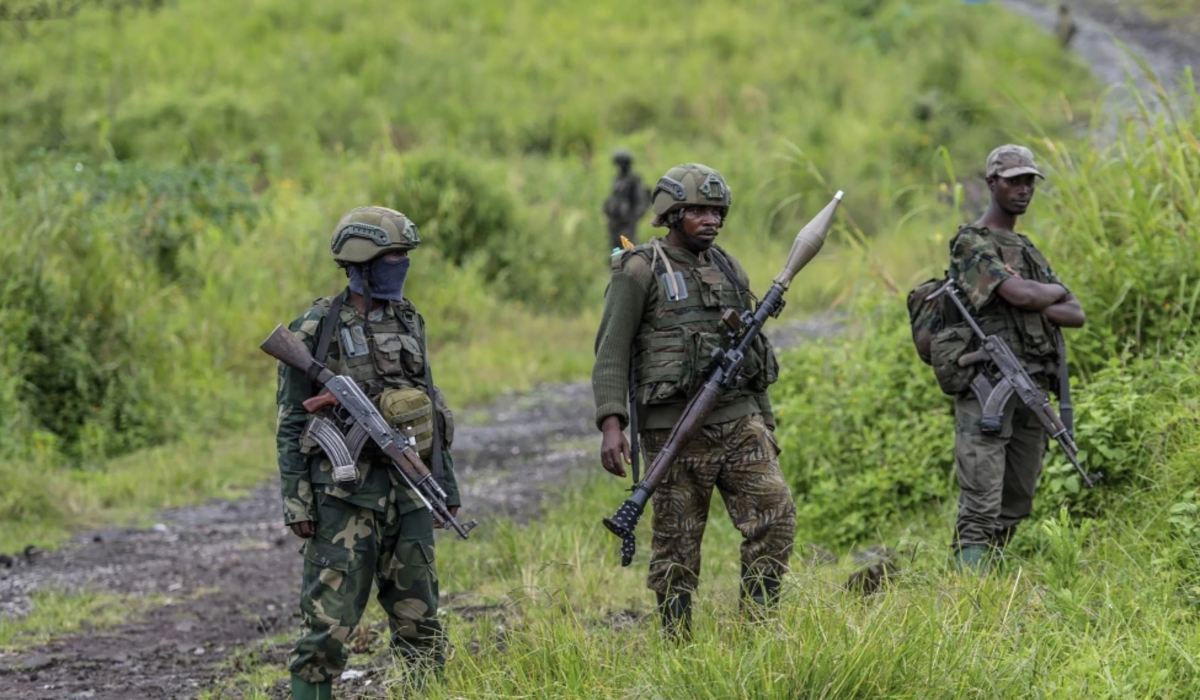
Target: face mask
point(387, 278)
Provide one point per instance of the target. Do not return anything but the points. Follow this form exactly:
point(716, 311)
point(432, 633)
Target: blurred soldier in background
point(1065, 27)
point(627, 202)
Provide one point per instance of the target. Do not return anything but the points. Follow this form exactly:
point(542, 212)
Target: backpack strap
point(722, 262)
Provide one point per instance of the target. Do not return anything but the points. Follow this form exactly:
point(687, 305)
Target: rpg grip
point(622, 524)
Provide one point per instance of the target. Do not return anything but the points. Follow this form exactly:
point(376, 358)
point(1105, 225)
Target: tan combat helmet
point(365, 233)
point(689, 185)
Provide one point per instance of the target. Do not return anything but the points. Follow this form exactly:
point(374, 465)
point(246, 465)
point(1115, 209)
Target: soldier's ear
point(991, 183)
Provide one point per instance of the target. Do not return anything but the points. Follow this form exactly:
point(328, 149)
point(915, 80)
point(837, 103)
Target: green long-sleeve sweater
point(630, 300)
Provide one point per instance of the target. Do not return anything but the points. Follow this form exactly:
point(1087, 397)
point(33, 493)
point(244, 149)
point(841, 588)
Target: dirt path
point(228, 571)
point(1166, 51)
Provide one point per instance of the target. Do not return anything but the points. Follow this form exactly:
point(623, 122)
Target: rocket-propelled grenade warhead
point(808, 242)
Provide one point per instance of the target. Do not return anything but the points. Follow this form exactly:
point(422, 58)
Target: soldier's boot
point(303, 690)
point(426, 654)
point(1000, 540)
point(759, 592)
point(972, 558)
point(675, 612)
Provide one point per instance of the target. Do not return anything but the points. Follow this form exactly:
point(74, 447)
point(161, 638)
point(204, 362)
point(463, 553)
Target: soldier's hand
point(614, 447)
point(453, 514)
point(306, 529)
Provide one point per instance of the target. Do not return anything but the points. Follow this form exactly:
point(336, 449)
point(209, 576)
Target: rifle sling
point(1065, 410)
point(332, 317)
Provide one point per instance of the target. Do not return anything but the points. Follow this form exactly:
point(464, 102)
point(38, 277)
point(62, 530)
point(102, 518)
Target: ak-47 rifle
point(993, 393)
point(743, 329)
point(284, 346)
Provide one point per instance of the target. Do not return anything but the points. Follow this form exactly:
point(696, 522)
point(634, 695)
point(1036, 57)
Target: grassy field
point(1097, 597)
point(169, 178)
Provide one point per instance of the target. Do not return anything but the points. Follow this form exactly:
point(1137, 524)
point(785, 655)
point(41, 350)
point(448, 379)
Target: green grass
point(164, 202)
point(54, 613)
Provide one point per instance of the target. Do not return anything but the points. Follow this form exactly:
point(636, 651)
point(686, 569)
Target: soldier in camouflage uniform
point(662, 312)
point(1013, 293)
point(627, 202)
point(373, 529)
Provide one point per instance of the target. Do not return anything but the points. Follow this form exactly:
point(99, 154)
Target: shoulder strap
point(332, 317)
point(718, 257)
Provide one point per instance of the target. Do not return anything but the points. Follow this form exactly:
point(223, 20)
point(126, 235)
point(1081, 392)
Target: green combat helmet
point(689, 185)
point(365, 233)
point(622, 156)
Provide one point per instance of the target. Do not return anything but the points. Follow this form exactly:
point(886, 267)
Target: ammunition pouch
point(410, 413)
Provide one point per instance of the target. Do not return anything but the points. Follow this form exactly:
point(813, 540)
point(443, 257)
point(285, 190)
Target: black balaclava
point(387, 278)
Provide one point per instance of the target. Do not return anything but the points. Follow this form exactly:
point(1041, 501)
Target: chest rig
point(681, 327)
point(1031, 337)
point(388, 352)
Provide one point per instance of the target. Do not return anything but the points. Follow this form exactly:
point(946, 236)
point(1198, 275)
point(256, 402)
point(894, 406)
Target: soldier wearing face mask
point(372, 529)
point(661, 322)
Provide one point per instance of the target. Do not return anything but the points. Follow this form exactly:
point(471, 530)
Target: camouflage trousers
point(354, 547)
point(997, 474)
point(740, 458)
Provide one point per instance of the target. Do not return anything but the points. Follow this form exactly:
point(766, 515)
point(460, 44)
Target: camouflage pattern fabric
point(354, 547)
point(396, 361)
point(739, 458)
point(997, 474)
point(980, 259)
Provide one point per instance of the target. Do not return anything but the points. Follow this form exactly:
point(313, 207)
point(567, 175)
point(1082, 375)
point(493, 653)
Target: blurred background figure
point(1065, 27)
point(627, 202)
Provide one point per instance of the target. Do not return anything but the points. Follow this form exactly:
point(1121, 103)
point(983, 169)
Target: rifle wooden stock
point(284, 346)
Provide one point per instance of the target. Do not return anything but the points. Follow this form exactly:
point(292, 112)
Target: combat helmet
point(366, 233)
point(689, 185)
point(622, 156)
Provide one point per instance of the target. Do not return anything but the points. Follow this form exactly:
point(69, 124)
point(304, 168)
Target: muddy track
point(228, 573)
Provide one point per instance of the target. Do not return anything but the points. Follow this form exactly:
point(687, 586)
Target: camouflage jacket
point(980, 259)
point(396, 358)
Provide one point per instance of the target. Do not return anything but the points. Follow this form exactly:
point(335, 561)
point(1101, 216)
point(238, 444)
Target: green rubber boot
point(972, 558)
point(303, 690)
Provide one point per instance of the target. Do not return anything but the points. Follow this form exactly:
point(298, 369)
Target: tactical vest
point(672, 353)
point(392, 356)
point(1028, 333)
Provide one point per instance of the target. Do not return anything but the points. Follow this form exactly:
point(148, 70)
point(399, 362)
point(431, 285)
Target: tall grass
point(169, 178)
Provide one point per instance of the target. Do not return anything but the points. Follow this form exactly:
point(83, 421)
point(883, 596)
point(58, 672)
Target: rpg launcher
point(284, 346)
point(743, 329)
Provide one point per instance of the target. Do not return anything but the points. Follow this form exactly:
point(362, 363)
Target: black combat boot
point(676, 615)
point(759, 592)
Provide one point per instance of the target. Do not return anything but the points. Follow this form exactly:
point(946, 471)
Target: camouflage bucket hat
point(689, 185)
point(366, 233)
point(408, 409)
point(1010, 161)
